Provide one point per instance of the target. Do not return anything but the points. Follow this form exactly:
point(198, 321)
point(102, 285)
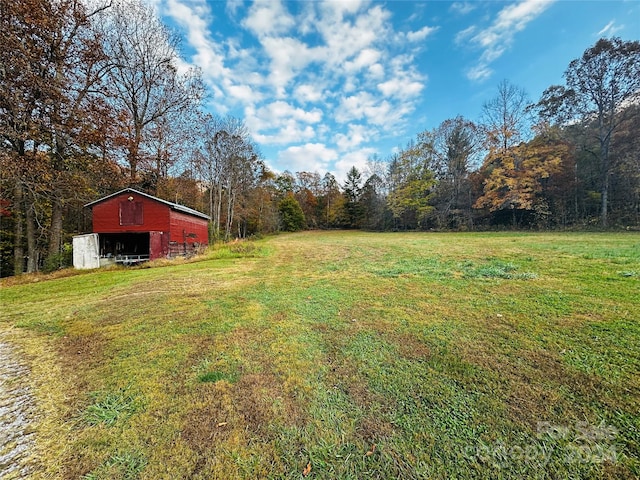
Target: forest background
point(92, 101)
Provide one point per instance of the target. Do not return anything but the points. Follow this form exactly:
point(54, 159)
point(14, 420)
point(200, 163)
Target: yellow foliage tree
point(515, 178)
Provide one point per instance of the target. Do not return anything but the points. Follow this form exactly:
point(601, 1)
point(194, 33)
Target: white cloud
point(356, 158)
point(289, 132)
point(353, 107)
point(365, 59)
point(310, 157)
point(374, 110)
point(462, 7)
point(405, 82)
point(356, 135)
point(421, 34)
point(609, 29)
point(289, 56)
point(182, 66)
point(226, 83)
point(400, 87)
point(307, 18)
point(344, 39)
point(243, 93)
point(497, 38)
point(268, 17)
point(307, 93)
point(279, 123)
point(514, 18)
point(236, 52)
point(479, 73)
point(354, 57)
point(465, 34)
point(331, 77)
point(282, 109)
point(195, 18)
point(376, 71)
point(233, 6)
point(340, 9)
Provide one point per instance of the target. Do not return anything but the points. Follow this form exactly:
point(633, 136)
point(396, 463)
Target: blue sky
point(324, 85)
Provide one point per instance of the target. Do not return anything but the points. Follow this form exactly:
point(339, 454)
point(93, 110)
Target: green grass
point(110, 407)
point(121, 465)
point(479, 355)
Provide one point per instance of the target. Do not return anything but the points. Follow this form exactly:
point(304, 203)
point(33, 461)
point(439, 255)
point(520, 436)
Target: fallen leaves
point(307, 470)
point(370, 452)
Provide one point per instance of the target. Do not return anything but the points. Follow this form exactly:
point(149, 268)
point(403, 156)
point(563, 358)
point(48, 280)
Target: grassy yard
point(342, 355)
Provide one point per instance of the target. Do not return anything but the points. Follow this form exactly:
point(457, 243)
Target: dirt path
point(16, 414)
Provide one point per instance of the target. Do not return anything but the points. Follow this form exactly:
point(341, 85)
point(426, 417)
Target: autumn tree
point(48, 115)
point(285, 183)
point(171, 142)
point(374, 204)
point(600, 85)
point(27, 83)
point(307, 191)
point(506, 118)
point(78, 120)
point(625, 198)
point(410, 201)
point(262, 200)
point(563, 190)
point(241, 166)
point(411, 187)
point(230, 165)
point(451, 150)
point(505, 125)
point(515, 179)
point(330, 201)
point(144, 84)
point(210, 167)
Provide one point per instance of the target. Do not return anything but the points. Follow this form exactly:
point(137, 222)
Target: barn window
point(130, 213)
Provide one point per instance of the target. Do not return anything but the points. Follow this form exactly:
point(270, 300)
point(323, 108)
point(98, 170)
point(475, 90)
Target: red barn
point(133, 226)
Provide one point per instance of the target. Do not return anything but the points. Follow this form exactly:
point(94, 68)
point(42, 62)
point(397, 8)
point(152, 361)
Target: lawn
point(342, 355)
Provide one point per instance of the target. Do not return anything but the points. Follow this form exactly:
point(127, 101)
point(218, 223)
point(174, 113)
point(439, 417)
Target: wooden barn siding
point(106, 217)
point(183, 224)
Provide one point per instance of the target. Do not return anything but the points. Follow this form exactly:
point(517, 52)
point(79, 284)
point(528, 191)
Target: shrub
point(61, 260)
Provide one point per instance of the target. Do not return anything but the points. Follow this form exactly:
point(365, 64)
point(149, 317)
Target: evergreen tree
point(352, 210)
point(291, 214)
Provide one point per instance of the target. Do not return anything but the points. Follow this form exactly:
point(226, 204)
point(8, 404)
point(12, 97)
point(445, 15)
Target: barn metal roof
point(173, 206)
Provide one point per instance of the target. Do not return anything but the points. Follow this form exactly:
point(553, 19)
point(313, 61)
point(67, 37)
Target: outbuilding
point(130, 226)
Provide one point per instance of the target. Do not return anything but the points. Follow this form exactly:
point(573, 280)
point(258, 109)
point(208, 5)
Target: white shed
point(86, 251)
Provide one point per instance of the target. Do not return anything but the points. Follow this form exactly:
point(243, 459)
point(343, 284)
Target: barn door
point(157, 247)
point(131, 213)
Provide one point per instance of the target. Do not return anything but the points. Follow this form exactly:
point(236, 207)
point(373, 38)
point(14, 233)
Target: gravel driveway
point(16, 414)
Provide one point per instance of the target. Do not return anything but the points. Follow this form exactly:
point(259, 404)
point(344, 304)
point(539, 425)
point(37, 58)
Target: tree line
point(94, 98)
